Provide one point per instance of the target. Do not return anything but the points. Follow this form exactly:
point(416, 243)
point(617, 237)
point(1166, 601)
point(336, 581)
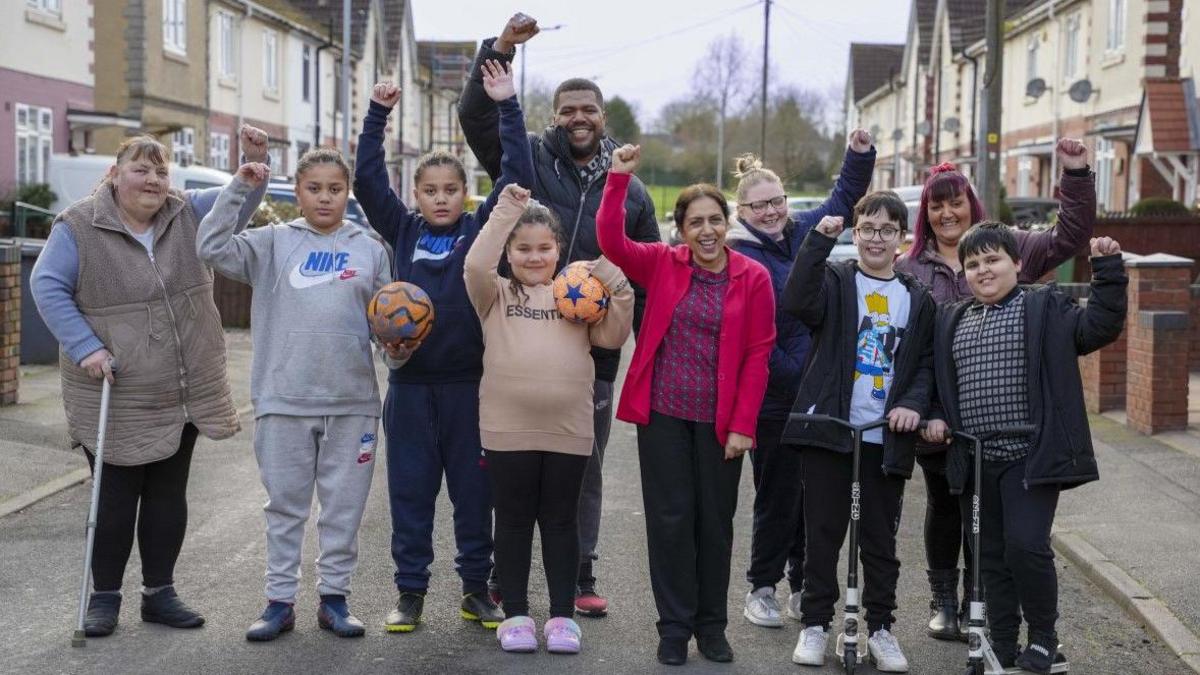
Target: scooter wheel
point(974, 669)
point(850, 659)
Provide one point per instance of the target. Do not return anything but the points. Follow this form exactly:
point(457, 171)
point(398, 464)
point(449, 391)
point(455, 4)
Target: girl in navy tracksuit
point(431, 416)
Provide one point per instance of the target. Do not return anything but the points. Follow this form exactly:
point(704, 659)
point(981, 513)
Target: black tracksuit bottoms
point(690, 494)
point(827, 479)
point(1015, 558)
point(778, 537)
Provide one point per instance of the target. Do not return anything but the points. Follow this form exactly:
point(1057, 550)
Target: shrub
point(272, 211)
point(1158, 206)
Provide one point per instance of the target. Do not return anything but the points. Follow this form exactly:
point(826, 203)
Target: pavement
point(1127, 564)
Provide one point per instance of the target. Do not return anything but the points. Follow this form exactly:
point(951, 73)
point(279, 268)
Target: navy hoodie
point(432, 257)
point(792, 337)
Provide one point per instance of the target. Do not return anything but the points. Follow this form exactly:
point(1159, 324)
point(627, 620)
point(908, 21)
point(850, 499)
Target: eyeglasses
point(758, 207)
point(884, 233)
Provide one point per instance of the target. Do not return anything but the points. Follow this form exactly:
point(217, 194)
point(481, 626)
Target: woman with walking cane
point(119, 280)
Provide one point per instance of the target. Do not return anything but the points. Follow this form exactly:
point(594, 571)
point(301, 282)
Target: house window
point(48, 6)
point(1024, 172)
point(226, 63)
point(218, 151)
point(1071, 49)
point(175, 25)
point(271, 61)
point(1031, 62)
point(1116, 25)
point(183, 146)
point(35, 142)
point(275, 152)
point(1105, 161)
point(306, 72)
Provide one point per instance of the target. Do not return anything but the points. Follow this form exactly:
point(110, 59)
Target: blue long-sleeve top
point(56, 273)
point(432, 256)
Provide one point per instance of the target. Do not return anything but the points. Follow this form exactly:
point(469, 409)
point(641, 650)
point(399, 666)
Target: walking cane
point(80, 639)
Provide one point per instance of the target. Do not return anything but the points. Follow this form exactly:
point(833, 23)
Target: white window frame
point(271, 61)
point(218, 151)
point(226, 46)
point(276, 154)
point(1071, 48)
point(34, 142)
point(1031, 58)
point(183, 146)
point(1105, 154)
point(175, 26)
point(46, 6)
point(1024, 172)
point(1117, 11)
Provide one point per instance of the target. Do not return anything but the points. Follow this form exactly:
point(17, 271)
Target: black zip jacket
point(558, 185)
point(825, 297)
point(1057, 331)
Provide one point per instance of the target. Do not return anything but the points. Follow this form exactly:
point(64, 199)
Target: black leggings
point(945, 526)
point(533, 486)
point(154, 497)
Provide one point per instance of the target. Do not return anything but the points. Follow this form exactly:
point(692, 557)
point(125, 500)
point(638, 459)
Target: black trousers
point(690, 494)
point(1015, 557)
point(152, 497)
point(536, 487)
point(946, 520)
point(778, 537)
point(827, 478)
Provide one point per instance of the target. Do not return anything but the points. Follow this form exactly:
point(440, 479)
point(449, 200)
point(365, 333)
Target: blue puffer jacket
point(792, 338)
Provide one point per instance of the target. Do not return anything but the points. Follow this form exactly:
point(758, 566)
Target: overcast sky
point(645, 50)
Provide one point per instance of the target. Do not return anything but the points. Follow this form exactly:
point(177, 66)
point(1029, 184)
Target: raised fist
point(860, 140)
point(830, 226)
point(517, 31)
point(254, 173)
point(1104, 246)
point(386, 94)
point(1071, 154)
point(498, 80)
point(626, 158)
point(254, 143)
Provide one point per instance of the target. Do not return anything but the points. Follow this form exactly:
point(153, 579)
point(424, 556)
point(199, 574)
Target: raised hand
point(254, 173)
point(254, 143)
point(498, 80)
point(98, 364)
point(860, 140)
point(386, 94)
point(1104, 246)
point(830, 226)
point(1071, 154)
point(517, 31)
point(626, 158)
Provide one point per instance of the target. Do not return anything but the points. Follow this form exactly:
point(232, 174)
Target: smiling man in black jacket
point(1008, 358)
point(571, 158)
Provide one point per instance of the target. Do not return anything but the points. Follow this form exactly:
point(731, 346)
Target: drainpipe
point(974, 95)
point(1055, 95)
point(317, 89)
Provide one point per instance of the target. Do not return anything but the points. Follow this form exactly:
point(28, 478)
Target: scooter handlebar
point(812, 418)
point(1015, 431)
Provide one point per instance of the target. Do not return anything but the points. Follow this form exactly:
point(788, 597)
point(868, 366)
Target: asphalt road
point(221, 570)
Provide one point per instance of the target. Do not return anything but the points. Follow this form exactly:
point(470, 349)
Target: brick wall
point(10, 322)
point(1159, 337)
point(1176, 235)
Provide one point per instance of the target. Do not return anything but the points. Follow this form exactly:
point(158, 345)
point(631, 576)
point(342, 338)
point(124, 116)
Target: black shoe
point(1039, 656)
point(943, 618)
point(715, 648)
point(407, 615)
point(102, 612)
point(479, 607)
point(334, 615)
point(1006, 653)
point(165, 607)
point(278, 617)
point(672, 651)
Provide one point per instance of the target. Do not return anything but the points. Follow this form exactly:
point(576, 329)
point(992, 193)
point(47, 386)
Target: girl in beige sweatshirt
point(535, 407)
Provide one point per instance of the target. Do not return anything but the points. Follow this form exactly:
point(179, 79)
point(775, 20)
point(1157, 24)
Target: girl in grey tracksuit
point(313, 385)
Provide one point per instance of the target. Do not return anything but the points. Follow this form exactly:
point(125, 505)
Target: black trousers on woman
point(945, 525)
point(778, 538)
point(151, 499)
point(690, 494)
point(532, 486)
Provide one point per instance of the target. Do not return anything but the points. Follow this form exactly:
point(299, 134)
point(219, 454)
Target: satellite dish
point(898, 134)
point(875, 130)
point(1035, 88)
point(950, 124)
point(924, 127)
point(1081, 91)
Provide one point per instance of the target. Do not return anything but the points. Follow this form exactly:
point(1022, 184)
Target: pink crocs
point(517, 634)
point(562, 636)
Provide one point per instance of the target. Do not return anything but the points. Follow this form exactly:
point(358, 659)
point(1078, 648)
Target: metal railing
point(29, 220)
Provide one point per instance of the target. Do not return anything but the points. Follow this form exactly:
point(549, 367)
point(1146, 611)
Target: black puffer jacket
point(559, 186)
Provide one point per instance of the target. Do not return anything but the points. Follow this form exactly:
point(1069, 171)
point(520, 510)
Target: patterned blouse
point(684, 384)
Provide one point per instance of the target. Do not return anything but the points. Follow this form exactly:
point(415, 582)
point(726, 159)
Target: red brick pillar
point(10, 322)
point(1104, 374)
point(1158, 335)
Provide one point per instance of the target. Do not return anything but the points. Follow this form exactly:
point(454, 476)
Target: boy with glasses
point(872, 358)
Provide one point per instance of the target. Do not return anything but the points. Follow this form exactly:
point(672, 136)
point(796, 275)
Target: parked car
point(73, 177)
point(804, 203)
point(1027, 211)
point(282, 191)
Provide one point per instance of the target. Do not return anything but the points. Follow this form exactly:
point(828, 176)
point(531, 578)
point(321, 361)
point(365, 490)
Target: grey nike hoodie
point(308, 315)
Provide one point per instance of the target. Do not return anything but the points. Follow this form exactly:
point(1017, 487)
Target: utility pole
point(762, 138)
point(524, 47)
point(346, 79)
point(988, 171)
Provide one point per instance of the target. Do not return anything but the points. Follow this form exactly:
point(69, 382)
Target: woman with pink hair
point(949, 207)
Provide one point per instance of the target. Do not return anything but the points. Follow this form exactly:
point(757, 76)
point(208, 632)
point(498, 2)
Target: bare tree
point(720, 78)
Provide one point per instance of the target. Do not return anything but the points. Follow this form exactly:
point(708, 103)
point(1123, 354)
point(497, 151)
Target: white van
point(73, 177)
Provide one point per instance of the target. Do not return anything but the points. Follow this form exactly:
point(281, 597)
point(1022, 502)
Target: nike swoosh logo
point(419, 254)
point(298, 280)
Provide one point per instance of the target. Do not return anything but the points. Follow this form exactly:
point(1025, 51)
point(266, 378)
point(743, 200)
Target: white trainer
point(762, 609)
point(885, 652)
point(810, 648)
point(793, 610)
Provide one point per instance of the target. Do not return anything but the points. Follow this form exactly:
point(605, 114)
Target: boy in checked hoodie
point(316, 401)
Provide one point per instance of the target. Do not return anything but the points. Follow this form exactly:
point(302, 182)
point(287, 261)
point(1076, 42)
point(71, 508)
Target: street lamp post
point(525, 48)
